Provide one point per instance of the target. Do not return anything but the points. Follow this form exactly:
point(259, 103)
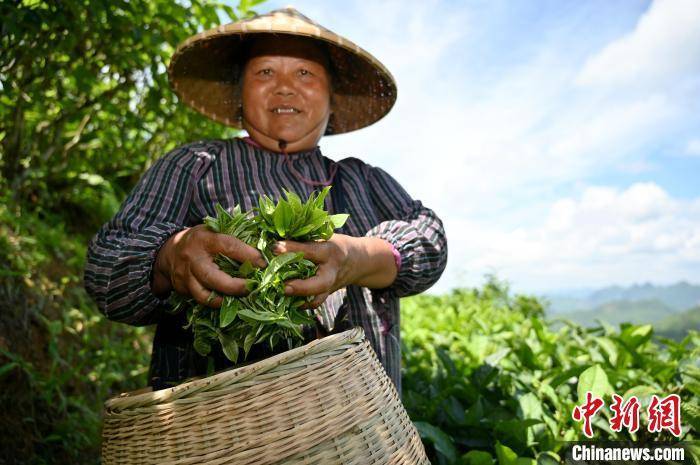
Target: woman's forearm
point(374, 263)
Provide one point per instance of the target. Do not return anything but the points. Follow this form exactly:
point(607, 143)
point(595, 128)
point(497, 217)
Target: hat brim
point(204, 75)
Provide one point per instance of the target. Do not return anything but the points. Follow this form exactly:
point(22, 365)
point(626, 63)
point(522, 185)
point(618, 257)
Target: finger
point(236, 249)
point(203, 295)
point(211, 277)
point(317, 252)
point(318, 300)
point(315, 285)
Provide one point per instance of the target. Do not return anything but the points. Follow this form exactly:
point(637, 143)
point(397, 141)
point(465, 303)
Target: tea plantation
point(487, 381)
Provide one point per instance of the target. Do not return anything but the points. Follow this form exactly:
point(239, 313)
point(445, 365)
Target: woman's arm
point(413, 229)
point(121, 255)
point(342, 260)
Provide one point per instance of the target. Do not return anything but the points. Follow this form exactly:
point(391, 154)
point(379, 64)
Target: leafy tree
point(85, 102)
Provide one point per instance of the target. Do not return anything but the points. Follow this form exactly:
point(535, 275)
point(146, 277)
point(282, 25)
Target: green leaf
point(229, 310)
point(253, 316)
point(294, 203)
point(246, 269)
point(548, 458)
point(530, 406)
point(641, 392)
point(201, 343)
point(339, 220)
point(276, 264)
point(282, 218)
point(634, 336)
point(248, 343)
point(505, 455)
point(691, 414)
point(594, 380)
point(318, 202)
point(229, 346)
point(477, 457)
point(212, 223)
point(441, 441)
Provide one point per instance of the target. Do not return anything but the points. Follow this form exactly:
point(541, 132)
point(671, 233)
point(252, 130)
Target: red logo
point(663, 414)
point(626, 414)
point(587, 411)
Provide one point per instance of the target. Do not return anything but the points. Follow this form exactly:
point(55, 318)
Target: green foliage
point(487, 380)
point(59, 358)
point(85, 107)
point(85, 103)
point(266, 315)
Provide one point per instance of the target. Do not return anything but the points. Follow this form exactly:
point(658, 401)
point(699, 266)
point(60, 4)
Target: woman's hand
point(185, 263)
point(342, 260)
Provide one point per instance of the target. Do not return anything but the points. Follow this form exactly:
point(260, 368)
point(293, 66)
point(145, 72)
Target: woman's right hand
point(186, 265)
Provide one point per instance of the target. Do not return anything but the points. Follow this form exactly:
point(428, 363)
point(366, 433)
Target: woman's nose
point(284, 86)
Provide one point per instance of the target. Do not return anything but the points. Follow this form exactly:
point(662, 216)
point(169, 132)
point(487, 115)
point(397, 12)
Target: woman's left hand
point(341, 260)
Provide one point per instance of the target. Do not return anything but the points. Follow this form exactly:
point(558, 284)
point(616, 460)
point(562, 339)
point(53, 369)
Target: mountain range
point(672, 309)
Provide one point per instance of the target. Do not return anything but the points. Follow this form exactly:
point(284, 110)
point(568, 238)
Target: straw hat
point(205, 68)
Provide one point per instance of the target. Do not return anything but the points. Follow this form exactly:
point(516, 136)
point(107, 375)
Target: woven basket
point(328, 402)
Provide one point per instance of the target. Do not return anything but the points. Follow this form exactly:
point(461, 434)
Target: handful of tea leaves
point(265, 315)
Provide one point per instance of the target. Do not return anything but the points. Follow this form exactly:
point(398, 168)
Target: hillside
point(621, 311)
point(677, 297)
point(676, 326)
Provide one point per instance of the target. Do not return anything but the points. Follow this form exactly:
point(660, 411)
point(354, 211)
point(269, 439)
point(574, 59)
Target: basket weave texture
point(328, 402)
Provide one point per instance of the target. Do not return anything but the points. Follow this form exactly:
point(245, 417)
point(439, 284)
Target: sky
point(559, 141)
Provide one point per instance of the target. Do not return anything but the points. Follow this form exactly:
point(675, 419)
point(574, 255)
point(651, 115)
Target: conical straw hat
point(204, 71)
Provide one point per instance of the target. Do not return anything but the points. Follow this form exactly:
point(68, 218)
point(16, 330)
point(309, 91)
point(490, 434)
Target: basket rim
point(138, 398)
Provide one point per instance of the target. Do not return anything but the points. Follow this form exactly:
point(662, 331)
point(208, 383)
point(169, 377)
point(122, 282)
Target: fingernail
point(288, 289)
point(278, 247)
point(262, 263)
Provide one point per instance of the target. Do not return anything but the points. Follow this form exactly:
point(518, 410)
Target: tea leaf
point(229, 310)
point(265, 315)
point(339, 219)
point(229, 346)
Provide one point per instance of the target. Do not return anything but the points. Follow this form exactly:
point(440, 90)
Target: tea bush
point(487, 381)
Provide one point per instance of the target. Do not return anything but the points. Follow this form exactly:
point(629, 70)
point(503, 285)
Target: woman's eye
point(265, 72)
point(304, 72)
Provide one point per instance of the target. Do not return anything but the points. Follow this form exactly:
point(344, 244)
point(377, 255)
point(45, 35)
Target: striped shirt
point(183, 187)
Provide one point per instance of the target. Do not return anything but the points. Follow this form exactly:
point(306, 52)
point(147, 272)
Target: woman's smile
point(285, 111)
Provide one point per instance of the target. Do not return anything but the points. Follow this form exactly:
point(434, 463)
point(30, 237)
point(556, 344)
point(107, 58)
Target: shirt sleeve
point(121, 255)
point(414, 230)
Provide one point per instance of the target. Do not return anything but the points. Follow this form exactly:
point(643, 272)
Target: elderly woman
point(287, 81)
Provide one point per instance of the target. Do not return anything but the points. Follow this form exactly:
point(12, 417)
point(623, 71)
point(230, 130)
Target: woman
point(287, 81)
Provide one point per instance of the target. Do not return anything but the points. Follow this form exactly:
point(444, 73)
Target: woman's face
point(286, 94)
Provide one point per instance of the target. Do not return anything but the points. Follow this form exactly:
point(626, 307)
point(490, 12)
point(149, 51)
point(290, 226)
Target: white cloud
point(605, 235)
point(488, 154)
point(693, 148)
point(664, 44)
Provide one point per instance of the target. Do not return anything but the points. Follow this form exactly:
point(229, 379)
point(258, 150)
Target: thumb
point(314, 251)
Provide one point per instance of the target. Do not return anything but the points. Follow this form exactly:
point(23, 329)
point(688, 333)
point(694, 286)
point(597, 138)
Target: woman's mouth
point(285, 110)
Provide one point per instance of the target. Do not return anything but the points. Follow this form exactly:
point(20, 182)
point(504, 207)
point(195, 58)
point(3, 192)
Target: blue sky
point(558, 140)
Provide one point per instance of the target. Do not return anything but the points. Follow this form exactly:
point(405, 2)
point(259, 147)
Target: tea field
point(487, 381)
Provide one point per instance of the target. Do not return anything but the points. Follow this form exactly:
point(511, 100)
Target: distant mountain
point(620, 311)
point(676, 326)
point(678, 297)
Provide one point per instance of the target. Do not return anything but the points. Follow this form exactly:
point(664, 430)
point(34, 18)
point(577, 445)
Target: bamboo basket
point(328, 402)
